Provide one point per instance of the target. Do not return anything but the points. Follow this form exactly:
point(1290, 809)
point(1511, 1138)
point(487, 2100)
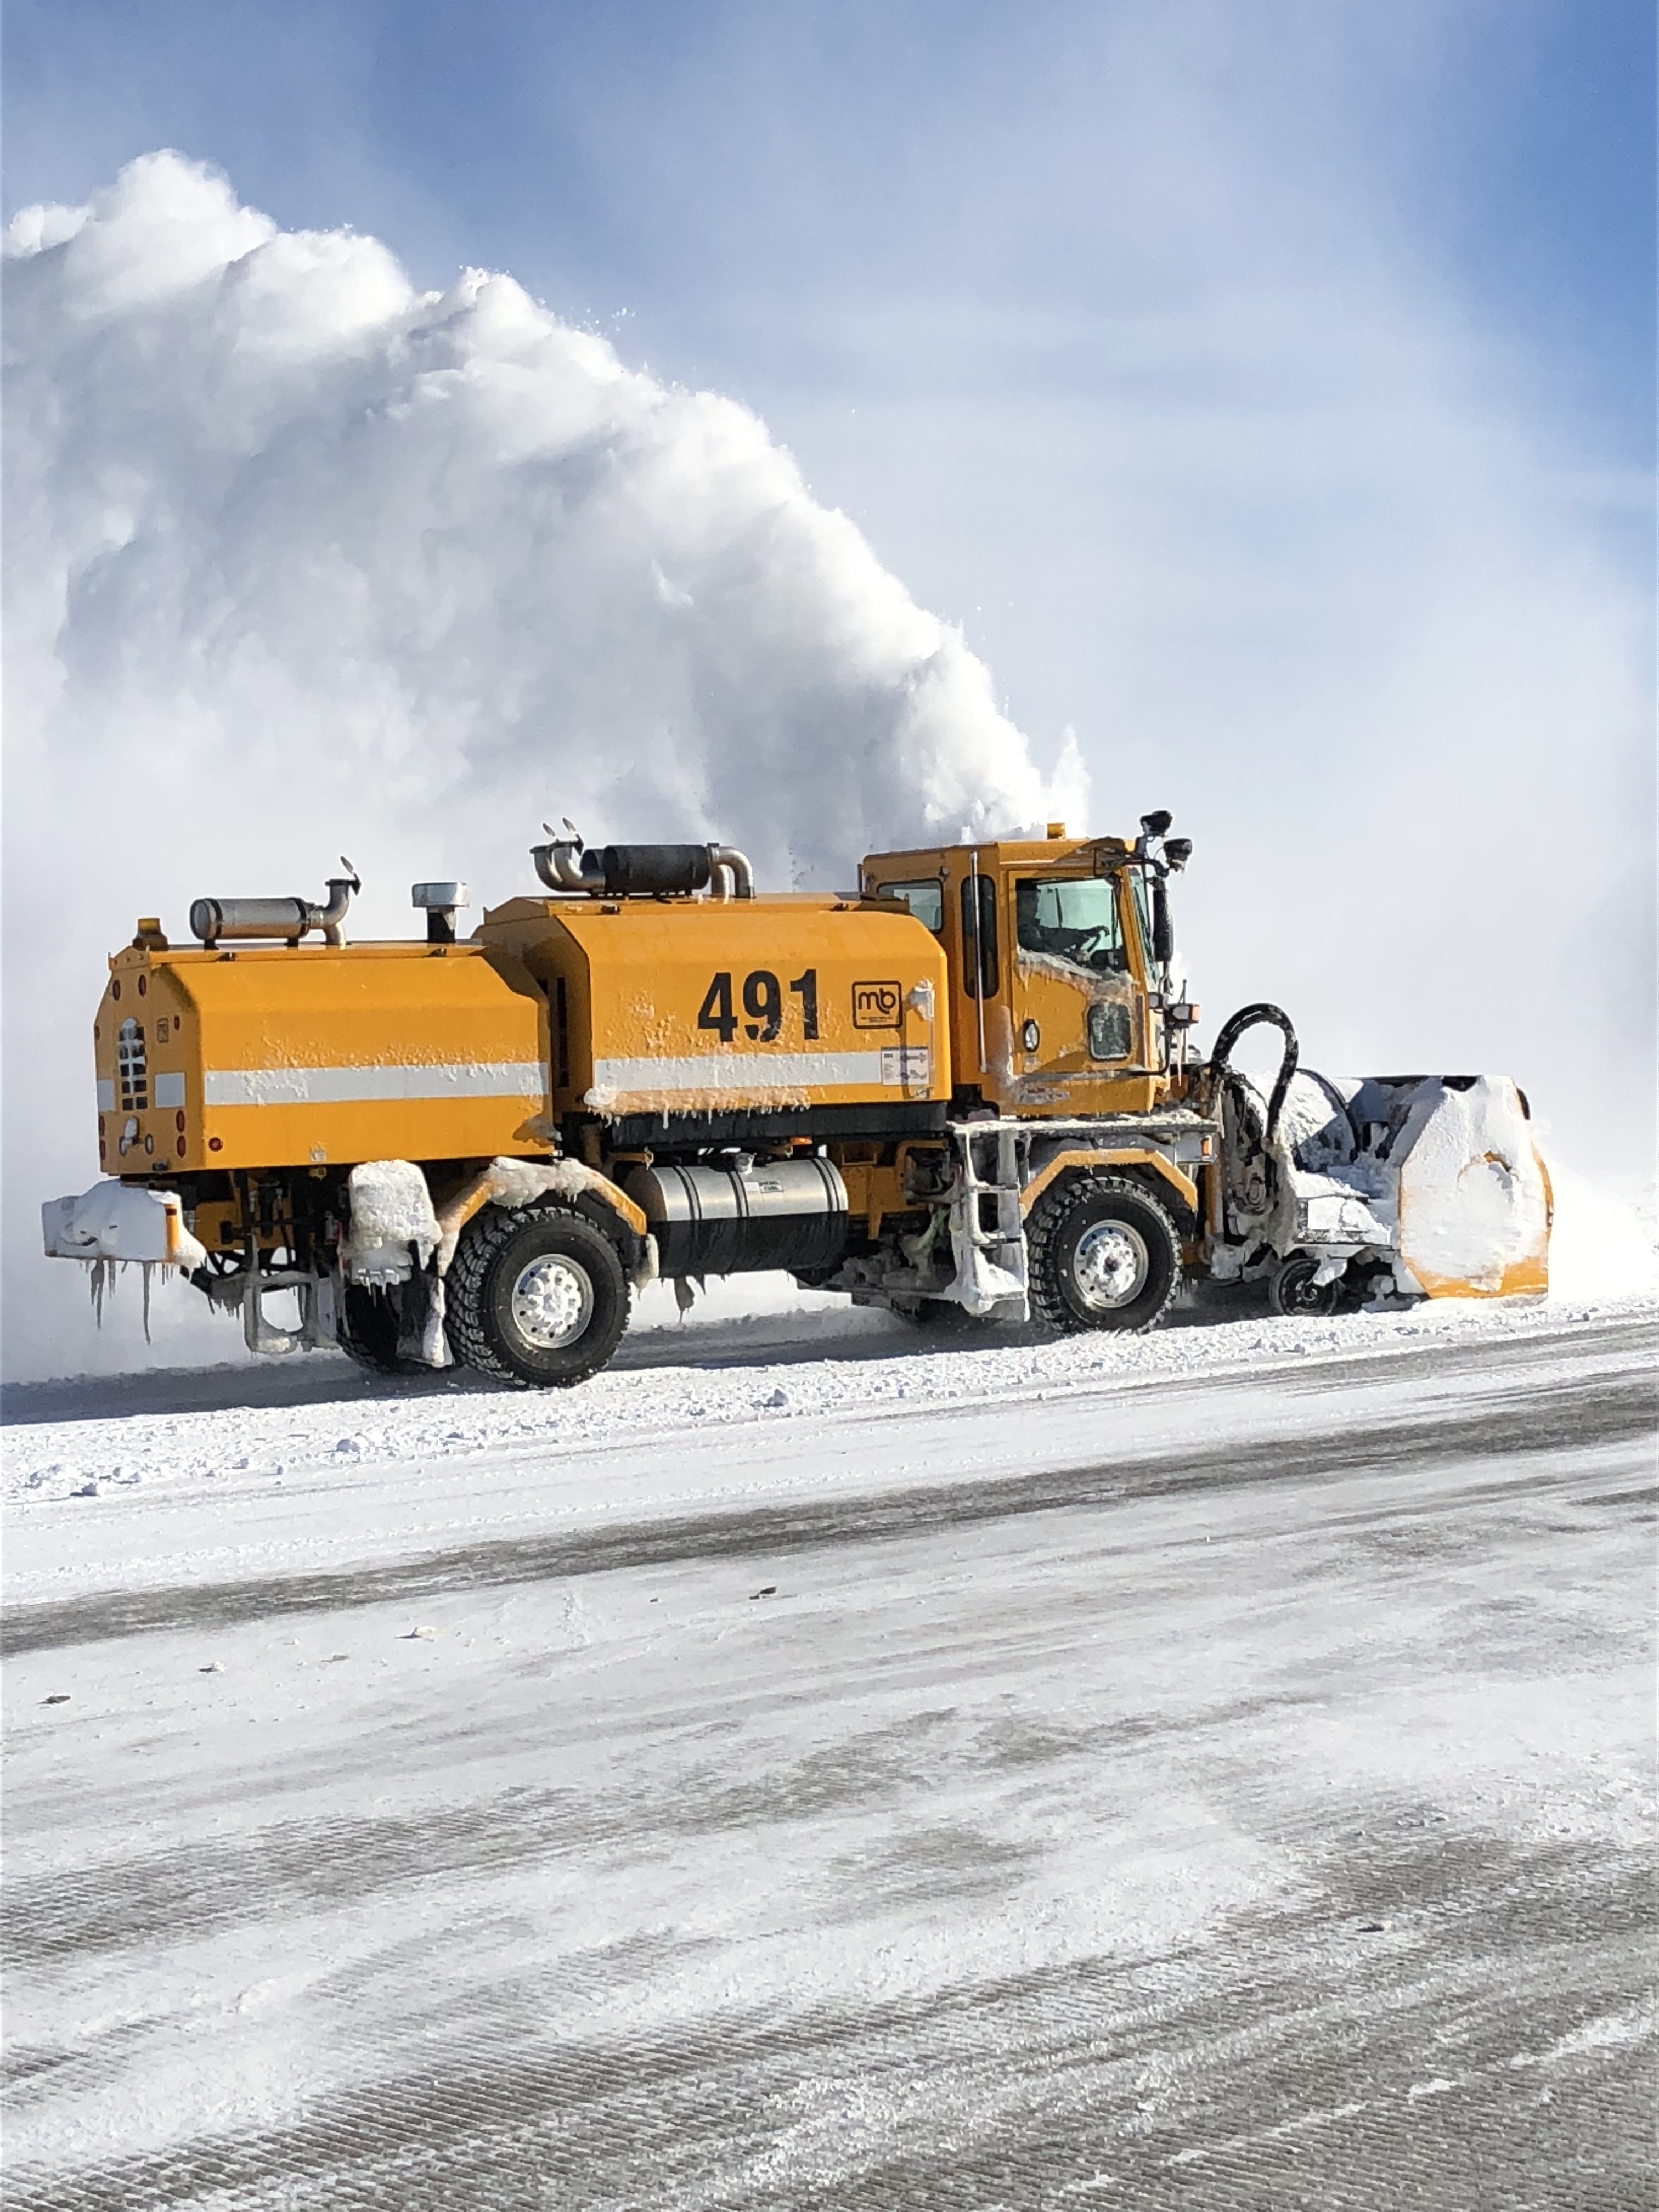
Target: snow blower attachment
point(965, 1091)
point(1407, 1186)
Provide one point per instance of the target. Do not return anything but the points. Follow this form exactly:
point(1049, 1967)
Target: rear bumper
point(121, 1221)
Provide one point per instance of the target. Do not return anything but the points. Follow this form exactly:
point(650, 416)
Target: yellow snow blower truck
point(966, 1090)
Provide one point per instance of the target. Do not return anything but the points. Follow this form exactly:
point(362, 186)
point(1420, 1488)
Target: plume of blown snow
point(284, 528)
point(1601, 1243)
point(301, 560)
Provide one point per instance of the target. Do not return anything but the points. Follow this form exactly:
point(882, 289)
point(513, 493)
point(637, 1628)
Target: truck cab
point(1060, 998)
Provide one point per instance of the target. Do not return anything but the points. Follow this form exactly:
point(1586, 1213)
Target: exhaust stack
point(440, 902)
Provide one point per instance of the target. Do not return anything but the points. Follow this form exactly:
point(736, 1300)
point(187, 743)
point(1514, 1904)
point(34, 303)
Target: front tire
point(536, 1296)
point(1102, 1254)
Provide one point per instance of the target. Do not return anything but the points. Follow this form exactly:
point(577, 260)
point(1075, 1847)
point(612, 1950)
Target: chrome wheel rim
point(1110, 1265)
point(552, 1301)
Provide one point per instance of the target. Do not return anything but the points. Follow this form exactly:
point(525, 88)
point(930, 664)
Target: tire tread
point(481, 1240)
point(1049, 1218)
point(466, 1286)
point(359, 1352)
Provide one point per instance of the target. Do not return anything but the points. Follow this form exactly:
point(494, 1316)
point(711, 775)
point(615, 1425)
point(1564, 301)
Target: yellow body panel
point(277, 1057)
point(751, 1006)
point(1096, 1156)
point(1525, 1278)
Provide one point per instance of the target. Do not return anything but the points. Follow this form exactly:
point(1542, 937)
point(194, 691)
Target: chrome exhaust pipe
point(729, 866)
point(628, 870)
point(563, 866)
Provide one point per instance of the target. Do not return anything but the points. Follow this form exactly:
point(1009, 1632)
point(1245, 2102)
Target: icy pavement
point(807, 1769)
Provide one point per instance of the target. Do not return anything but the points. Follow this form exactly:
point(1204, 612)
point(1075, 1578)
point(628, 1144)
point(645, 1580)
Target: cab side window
point(978, 937)
point(1074, 919)
point(926, 900)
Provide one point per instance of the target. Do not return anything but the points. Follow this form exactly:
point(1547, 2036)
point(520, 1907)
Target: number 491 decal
point(762, 1004)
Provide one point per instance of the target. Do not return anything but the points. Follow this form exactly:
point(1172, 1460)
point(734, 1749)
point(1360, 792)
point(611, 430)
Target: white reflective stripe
point(740, 1070)
point(363, 1087)
point(105, 1094)
point(168, 1090)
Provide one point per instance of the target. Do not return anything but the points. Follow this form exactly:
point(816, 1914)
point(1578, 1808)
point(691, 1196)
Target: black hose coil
point(1249, 1018)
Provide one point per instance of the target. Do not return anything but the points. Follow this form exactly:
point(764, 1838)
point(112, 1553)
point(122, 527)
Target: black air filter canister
point(639, 870)
point(743, 1218)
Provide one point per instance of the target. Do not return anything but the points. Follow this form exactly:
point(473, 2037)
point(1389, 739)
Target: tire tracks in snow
point(1297, 2061)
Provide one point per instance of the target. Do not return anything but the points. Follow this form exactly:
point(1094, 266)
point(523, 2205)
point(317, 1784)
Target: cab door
point(1081, 1034)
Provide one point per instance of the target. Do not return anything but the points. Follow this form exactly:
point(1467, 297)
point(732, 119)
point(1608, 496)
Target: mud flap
point(421, 1335)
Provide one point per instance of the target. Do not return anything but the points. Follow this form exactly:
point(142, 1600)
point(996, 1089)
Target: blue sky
point(736, 176)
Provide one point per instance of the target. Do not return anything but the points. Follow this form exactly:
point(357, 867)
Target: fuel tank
point(743, 1215)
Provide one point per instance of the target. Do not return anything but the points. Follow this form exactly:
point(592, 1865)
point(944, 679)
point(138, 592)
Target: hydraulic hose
point(1249, 1018)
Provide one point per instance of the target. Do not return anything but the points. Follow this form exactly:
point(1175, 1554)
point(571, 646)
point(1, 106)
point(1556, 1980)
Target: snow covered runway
point(1211, 1772)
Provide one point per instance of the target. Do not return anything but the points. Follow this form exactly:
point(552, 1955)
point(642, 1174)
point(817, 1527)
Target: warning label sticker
point(908, 1066)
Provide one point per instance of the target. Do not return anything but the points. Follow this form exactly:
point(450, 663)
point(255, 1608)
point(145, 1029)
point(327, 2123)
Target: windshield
point(1076, 921)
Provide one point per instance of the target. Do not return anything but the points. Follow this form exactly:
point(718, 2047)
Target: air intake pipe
point(440, 902)
point(643, 871)
point(286, 919)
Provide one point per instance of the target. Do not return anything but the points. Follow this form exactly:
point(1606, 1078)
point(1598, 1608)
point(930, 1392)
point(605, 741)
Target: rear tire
point(944, 1317)
point(536, 1296)
point(1102, 1254)
point(367, 1326)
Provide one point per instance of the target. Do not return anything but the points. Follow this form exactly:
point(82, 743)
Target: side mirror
point(1156, 825)
point(1163, 927)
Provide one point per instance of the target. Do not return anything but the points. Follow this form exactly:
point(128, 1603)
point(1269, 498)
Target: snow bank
point(674, 1382)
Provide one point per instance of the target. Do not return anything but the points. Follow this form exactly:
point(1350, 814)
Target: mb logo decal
point(877, 1006)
